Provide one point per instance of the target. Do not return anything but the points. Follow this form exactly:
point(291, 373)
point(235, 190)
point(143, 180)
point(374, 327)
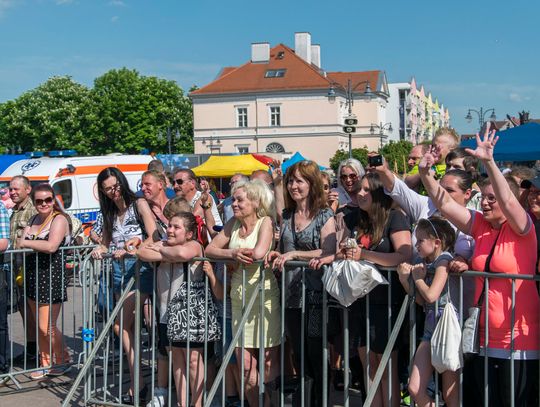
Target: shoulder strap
point(487, 269)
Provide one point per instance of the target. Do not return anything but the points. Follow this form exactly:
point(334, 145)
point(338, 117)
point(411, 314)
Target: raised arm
point(511, 208)
point(277, 176)
point(450, 209)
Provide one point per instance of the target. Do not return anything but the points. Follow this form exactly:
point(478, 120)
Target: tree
point(134, 110)
point(55, 115)
point(359, 153)
point(396, 154)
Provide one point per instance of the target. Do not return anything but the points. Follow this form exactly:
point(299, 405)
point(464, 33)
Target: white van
point(74, 178)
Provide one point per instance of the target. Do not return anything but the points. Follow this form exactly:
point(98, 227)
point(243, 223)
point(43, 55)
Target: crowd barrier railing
point(23, 322)
point(93, 312)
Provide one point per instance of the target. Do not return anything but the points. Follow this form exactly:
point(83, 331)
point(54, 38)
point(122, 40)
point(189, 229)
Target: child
point(179, 247)
point(435, 237)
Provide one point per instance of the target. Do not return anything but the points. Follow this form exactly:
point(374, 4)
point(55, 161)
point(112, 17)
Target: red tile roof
point(299, 75)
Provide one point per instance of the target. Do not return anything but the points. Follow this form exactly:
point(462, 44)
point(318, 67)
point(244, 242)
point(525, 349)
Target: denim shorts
point(124, 269)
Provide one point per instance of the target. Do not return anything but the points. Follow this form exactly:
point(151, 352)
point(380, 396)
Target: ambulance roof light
point(34, 154)
point(62, 153)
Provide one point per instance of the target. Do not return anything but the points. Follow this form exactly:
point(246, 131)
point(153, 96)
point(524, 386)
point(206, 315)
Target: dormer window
point(275, 73)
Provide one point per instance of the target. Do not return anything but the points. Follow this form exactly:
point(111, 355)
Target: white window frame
point(241, 116)
point(272, 115)
point(242, 148)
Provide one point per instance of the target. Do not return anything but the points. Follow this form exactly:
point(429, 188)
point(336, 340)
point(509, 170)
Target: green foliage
point(55, 115)
point(396, 155)
point(124, 112)
point(358, 153)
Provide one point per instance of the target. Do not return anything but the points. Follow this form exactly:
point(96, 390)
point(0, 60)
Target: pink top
point(513, 254)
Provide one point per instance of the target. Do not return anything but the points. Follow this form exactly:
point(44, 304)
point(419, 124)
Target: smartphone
point(375, 160)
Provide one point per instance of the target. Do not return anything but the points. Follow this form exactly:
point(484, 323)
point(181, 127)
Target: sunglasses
point(180, 181)
point(114, 187)
point(490, 199)
point(47, 201)
point(348, 176)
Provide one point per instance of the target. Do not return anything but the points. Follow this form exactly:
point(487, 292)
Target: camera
point(375, 161)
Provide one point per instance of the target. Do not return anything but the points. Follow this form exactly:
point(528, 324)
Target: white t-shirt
point(418, 207)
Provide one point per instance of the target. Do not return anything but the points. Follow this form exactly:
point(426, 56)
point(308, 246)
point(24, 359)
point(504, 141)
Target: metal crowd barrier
point(102, 379)
point(21, 331)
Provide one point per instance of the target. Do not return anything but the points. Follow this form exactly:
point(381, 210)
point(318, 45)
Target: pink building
point(281, 100)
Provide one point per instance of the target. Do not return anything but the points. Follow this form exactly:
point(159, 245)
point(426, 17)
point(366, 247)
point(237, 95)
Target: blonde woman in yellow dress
point(247, 238)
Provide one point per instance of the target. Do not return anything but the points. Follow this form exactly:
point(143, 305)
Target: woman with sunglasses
point(124, 218)
point(505, 233)
point(46, 278)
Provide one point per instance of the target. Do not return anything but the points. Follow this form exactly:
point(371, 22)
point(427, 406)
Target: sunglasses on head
point(47, 201)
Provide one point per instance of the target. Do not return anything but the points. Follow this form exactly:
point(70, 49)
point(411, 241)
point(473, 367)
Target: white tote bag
point(348, 280)
point(446, 353)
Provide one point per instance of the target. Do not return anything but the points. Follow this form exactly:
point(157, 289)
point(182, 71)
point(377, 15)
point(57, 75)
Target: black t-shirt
point(397, 222)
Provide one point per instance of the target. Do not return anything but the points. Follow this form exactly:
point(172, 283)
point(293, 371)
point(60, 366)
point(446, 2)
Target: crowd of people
point(443, 218)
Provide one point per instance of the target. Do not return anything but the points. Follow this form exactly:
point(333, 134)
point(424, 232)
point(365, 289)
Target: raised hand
point(428, 160)
point(275, 170)
point(484, 146)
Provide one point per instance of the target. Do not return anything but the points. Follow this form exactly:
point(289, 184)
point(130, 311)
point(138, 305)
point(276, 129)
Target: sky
point(468, 54)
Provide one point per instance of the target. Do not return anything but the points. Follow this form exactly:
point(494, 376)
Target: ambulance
point(73, 178)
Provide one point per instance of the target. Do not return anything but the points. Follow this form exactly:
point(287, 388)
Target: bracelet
point(207, 206)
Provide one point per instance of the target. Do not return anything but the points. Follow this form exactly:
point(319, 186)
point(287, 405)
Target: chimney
point(260, 52)
point(316, 55)
point(302, 46)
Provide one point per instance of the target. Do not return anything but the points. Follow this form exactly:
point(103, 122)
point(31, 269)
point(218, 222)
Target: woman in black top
point(383, 234)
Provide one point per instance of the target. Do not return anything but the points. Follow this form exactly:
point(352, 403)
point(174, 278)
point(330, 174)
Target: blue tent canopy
point(521, 143)
point(293, 160)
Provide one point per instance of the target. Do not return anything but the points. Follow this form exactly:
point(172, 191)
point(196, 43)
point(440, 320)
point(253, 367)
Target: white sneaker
point(159, 399)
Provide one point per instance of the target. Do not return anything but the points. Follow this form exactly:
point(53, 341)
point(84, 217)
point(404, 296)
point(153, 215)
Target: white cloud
point(117, 3)
point(515, 97)
point(114, 19)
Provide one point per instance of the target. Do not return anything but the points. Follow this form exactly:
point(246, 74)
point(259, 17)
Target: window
point(275, 148)
point(242, 148)
point(275, 73)
point(63, 192)
point(241, 117)
point(275, 116)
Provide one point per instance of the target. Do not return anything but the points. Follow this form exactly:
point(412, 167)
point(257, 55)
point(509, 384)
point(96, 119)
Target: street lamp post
point(381, 127)
point(170, 136)
point(350, 102)
point(481, 116)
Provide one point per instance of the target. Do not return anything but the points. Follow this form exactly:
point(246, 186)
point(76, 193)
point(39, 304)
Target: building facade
point(283, 101)
point(414, 114)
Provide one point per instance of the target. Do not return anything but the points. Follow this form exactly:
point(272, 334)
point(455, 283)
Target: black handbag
point(202, 326)
point(470, 338)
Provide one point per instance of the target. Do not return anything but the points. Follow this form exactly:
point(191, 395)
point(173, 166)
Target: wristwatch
point(208, 205)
